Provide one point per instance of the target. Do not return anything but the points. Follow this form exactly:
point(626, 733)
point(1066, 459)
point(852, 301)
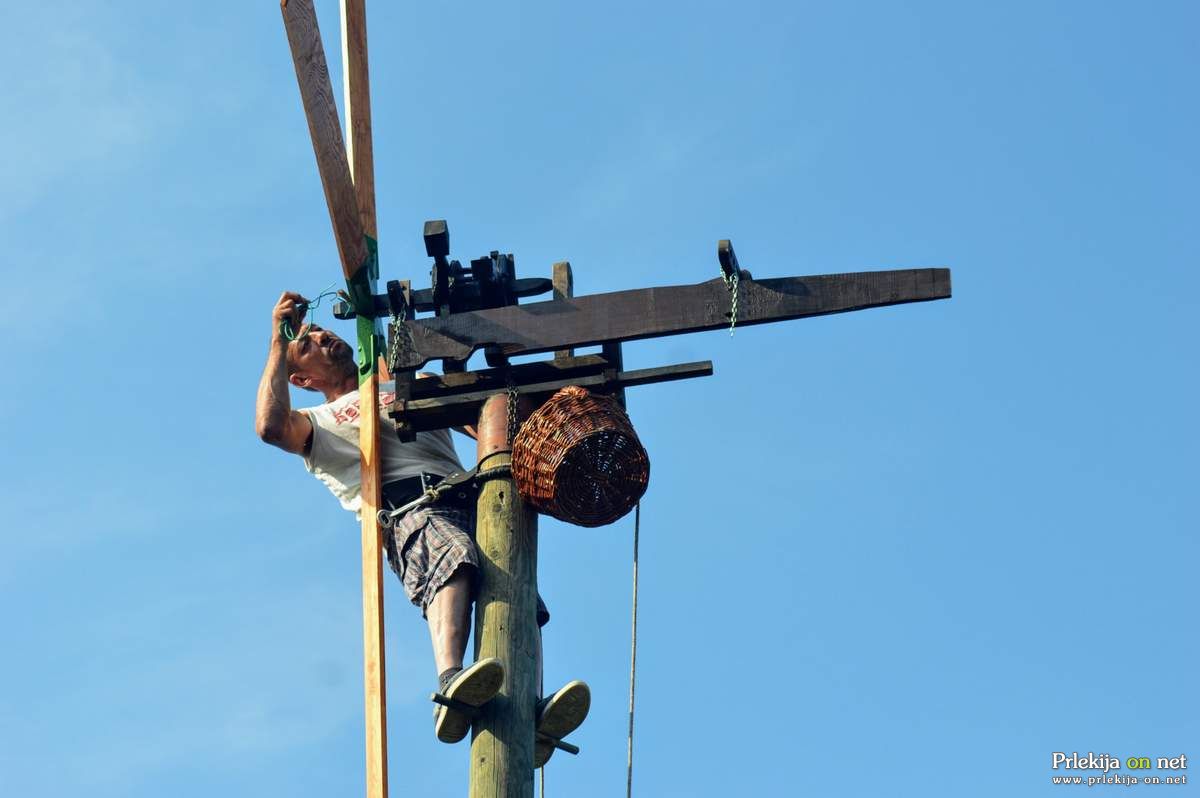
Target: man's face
point(320, 357)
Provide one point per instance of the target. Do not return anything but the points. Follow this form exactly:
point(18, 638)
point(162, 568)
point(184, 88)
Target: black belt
point(402, 491)
point(460, 493)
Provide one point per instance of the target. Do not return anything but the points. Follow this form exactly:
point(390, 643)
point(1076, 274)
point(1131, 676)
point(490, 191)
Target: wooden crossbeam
point(521, 374)
point(653, 312)
point(439, 402)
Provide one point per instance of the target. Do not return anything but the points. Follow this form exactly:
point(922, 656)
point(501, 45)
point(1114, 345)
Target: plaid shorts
point(428, 545)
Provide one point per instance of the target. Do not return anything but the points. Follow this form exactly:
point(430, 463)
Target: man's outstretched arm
point(274, 419)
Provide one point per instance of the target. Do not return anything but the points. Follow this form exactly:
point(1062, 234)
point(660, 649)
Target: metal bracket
point(573, 750)
point(360, 289)
point(727, 258)
point(729, 261)
point(399, 299)
point(470, 710)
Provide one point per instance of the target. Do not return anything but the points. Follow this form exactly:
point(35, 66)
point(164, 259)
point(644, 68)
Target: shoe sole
point(475, 686)
point(562, 714)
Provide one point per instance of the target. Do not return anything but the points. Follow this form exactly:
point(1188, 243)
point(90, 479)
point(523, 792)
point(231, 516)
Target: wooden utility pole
point(505, 617)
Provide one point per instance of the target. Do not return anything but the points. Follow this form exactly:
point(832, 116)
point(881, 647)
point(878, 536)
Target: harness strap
point(463, 483)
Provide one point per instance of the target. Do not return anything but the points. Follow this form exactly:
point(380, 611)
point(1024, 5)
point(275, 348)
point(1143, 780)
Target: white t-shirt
point(334, 457)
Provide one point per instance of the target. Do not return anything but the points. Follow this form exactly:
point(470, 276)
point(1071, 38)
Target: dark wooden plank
point(654, 312)
point(440, 412)
point(679, 371)
point(497, 378)
point(316, 92)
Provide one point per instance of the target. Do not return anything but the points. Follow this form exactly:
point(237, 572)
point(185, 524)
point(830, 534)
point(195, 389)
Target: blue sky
point(909, 551)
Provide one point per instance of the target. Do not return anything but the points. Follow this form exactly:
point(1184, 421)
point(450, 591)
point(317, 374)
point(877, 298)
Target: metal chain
point(733, 283)
point(512, 410)
point(394, 335)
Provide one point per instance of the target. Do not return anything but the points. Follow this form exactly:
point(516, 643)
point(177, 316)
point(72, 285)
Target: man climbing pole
point(429, 546)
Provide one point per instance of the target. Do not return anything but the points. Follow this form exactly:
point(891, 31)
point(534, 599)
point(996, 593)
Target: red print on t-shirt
point(350, 412)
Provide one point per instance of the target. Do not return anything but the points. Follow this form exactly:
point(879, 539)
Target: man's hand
point(290, 308)
point(274, 420)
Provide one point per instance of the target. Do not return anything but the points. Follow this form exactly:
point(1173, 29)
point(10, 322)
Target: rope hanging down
point(637, 523)
point(733, 283)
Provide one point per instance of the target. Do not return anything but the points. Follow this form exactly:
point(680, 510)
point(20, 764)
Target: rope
point(637, 523)
point(733, 284)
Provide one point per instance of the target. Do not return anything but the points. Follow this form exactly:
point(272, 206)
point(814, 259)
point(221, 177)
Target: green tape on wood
point(361, 289)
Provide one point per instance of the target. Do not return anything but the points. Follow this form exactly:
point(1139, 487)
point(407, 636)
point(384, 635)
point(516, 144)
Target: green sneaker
point(474, 686)
point(558, 716)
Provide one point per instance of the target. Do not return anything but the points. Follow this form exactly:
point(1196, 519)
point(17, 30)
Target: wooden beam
point(357, 93)
point(655, 312)
point(437, 385)
point(360, 162)
point(442, 411)
point(316, 92)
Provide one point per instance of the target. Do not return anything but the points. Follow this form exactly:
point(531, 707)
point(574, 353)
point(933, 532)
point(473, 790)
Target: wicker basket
point(578, 459)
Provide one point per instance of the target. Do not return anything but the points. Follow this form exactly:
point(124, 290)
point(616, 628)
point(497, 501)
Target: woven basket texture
point(578, 459)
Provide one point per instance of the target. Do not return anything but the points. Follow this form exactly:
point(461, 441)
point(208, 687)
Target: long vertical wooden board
point(362, 171)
